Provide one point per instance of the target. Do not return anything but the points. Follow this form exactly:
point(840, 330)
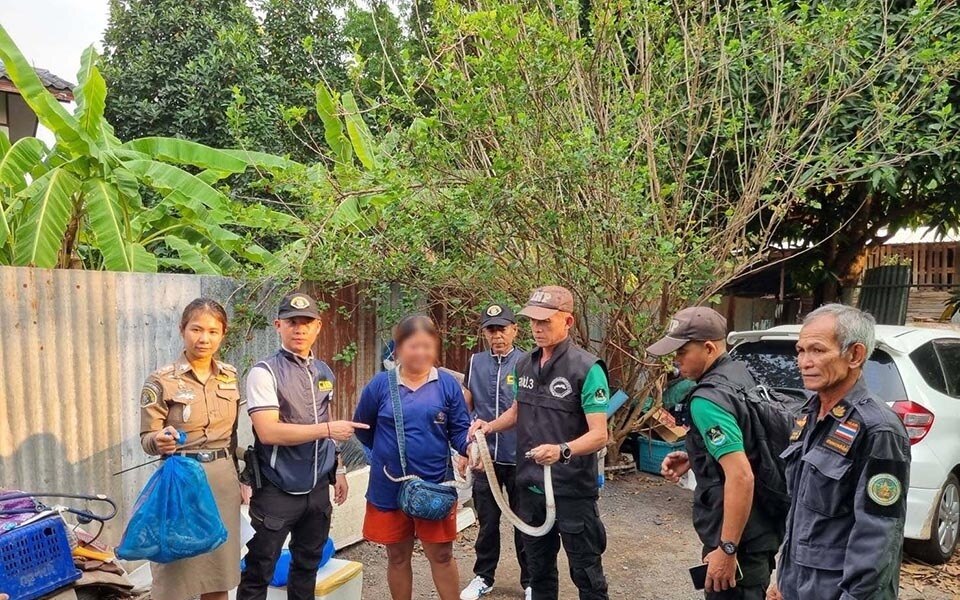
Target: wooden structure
point(935, 268)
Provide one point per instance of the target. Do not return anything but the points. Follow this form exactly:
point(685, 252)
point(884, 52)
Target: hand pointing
point(342, 431)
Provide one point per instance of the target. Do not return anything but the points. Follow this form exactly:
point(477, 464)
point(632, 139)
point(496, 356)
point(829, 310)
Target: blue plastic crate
point(35, 559)
point(649, 454)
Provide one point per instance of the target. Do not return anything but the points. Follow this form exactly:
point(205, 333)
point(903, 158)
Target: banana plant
point(82, 198)
point(350, 141)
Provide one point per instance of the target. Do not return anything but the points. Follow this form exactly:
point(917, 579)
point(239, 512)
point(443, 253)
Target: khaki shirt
point(207, 412)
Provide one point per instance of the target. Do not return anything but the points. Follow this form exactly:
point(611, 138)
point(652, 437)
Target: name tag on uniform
point(227, 386)
point(325, 385)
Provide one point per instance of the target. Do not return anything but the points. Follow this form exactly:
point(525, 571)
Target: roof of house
point(60, 88)
point(921, 235)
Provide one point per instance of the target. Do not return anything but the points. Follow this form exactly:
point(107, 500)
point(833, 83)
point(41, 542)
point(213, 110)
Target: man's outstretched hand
point(675, 465)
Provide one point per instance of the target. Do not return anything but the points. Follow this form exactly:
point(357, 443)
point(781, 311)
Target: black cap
point(298, 304)
point(497, 315)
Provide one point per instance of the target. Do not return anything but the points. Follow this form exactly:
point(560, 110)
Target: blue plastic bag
point(281, 571)
point(175, 516)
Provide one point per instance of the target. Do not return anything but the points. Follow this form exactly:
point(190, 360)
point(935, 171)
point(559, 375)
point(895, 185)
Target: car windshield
point(774, 363)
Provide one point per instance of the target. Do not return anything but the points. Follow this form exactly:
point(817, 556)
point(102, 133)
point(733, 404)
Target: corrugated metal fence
point(75, 347)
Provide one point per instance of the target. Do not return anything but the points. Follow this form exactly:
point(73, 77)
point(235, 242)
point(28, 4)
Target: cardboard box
point(661, 424)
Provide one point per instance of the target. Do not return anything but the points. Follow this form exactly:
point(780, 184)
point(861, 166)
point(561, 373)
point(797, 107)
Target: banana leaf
point(332, 125)
point(50, 113)
point(17, 162)
point(185, 152)
point(48, 210)
point(192, 255)
point(359, 133)
point(90, 95)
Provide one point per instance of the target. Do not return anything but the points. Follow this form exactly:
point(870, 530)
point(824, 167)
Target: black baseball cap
point(694, 324)
point(298, 304)
point(497, 315)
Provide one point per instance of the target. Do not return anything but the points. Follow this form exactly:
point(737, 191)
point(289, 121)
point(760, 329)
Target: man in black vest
point(561, 420)
point(739, 543)
point(490, 380)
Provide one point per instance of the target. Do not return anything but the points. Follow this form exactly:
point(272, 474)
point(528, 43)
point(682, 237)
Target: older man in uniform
point(490, 379)
point(561, 420)
point(847, 471)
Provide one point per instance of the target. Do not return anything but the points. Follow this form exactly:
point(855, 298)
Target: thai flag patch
point(847, 431)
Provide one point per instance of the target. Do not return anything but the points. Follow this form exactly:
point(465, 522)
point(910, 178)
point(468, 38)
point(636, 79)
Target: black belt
point(205, 456)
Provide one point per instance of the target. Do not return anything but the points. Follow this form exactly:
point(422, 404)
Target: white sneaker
point(476, 588)
point(528, 593)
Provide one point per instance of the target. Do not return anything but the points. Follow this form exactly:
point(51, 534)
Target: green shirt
point(595, 394)
point(718, 427)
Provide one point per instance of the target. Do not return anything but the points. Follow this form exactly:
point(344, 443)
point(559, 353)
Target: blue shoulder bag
point(418, 498)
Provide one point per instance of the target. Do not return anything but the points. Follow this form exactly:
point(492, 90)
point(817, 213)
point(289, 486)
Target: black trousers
point(275, 514)
point(584, 540)
point(756, 568)
point(488, 513)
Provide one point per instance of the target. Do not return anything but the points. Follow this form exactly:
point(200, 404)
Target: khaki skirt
point(217, 571)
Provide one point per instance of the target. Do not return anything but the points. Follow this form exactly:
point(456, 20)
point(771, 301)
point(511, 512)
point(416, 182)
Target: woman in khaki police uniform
point(198, 395)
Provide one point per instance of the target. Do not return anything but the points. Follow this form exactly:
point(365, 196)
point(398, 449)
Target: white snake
point(480, 448)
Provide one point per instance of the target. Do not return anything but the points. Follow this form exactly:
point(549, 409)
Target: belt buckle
point(204, 456)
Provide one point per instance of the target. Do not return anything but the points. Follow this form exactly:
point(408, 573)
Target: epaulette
point(166, 369)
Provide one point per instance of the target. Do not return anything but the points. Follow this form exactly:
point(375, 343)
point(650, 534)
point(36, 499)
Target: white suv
point(917, 372)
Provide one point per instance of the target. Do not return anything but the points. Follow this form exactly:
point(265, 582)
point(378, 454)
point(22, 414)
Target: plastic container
point(281, 571)
point(340, 580)
point(649, 454)
point(336, 580)
point(35, 559)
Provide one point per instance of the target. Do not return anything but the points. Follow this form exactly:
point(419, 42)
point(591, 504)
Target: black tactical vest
point(550, 411)
point(719, 385)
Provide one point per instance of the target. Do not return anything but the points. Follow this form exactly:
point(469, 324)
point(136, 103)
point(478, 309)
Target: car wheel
point(946, 528)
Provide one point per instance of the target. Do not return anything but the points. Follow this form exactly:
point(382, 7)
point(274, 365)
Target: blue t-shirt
point(434, 419)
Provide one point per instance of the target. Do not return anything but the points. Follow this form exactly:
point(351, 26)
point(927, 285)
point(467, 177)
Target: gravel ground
point(650, 546)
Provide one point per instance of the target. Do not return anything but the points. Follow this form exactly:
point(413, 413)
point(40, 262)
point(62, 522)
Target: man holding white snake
point(560, 420)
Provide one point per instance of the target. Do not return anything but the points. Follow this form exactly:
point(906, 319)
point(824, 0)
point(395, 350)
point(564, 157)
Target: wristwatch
point(565, 453)
point(729, 548)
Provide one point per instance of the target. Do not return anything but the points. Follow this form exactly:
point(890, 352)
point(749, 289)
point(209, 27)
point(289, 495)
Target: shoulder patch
point(885, 487)
point(150, 394)
point(716, 436)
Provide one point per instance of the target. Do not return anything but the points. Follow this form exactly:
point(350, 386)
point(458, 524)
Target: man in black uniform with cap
point(739, 539)
point(560, 419)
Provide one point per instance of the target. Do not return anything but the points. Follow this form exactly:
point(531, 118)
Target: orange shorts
point(395, 526)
